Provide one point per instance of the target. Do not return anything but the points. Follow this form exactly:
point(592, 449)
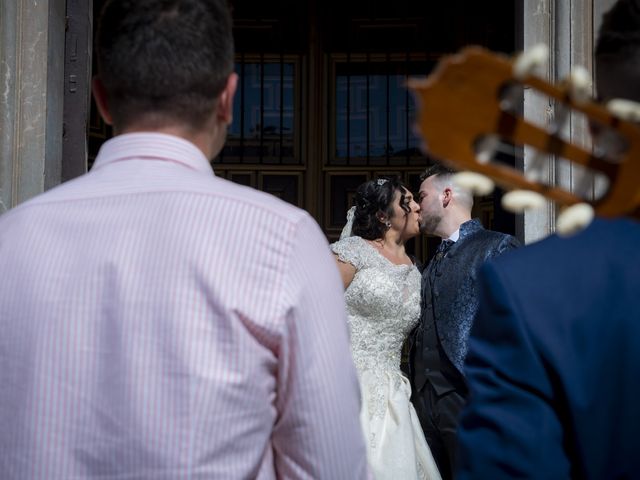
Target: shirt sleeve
point(317, 432)
point(509, 428)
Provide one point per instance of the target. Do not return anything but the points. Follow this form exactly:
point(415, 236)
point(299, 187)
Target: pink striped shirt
point(159, 322)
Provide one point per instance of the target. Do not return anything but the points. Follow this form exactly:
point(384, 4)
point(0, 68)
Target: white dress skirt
point(383, 306)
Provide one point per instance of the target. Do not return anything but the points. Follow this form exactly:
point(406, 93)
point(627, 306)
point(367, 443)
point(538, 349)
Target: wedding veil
point(346, 231)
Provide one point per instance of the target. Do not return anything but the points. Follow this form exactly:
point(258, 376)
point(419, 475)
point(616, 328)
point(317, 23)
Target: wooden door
point(322, 106)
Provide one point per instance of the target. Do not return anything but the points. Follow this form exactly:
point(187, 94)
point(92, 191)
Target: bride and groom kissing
point(410, 423)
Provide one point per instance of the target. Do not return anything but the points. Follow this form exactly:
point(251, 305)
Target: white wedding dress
point(383, 305)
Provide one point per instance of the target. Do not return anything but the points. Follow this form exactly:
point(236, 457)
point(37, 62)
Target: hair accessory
point(381, 181)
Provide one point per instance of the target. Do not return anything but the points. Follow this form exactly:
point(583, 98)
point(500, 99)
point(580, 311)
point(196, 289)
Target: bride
point(382, 293)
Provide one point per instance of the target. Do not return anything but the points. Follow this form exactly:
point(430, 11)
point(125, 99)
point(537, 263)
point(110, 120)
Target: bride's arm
point(347, 272)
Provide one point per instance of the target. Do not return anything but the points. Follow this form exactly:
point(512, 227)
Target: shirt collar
point(152, 146)
point(465, 229)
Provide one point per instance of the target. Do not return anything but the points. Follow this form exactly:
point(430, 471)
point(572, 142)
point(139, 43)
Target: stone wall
point(569, 28)
point(31, 97)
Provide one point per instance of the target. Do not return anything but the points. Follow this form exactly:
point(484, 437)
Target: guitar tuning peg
point(574, 218)
point(624, 109)
point(528, 62)
point(517, 201)
point(580, 84)
point(476, 183)
point(486, 148)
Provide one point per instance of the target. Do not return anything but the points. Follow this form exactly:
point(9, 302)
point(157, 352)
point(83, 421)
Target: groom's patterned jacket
point(450, 302)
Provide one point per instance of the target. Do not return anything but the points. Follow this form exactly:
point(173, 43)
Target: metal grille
point(267, 113)
point(373, 111)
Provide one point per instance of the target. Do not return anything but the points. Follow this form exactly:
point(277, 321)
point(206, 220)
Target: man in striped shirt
point(159, 322)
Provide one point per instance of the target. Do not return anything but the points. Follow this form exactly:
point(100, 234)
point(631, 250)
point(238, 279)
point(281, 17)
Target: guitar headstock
point(464, 111)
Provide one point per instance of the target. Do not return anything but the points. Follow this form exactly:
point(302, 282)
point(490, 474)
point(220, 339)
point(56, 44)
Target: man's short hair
point(463, 195)
point(436, 169)
point(167, 58)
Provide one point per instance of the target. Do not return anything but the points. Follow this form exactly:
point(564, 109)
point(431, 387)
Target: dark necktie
point(443, 247)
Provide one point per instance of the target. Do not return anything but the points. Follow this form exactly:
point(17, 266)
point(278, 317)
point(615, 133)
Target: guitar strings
point(584, 182)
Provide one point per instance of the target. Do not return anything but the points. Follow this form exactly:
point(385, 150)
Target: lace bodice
point(383, 305)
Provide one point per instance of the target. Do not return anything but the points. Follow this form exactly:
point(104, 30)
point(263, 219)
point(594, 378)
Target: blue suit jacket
point(554, 361)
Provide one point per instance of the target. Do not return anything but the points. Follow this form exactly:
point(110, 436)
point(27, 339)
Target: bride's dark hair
point(374, 202)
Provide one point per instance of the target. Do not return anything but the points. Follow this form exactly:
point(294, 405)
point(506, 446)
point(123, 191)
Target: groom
point(449, 303)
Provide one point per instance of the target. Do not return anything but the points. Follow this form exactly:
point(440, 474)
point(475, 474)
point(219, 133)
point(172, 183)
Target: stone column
point(31, 97)
point(569, 28)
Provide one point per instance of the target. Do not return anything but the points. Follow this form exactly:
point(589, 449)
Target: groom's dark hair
point(436, 169)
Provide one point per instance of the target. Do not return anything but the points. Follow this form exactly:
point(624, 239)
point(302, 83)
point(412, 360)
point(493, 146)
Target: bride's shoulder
point(349, 242)
point(350, 249)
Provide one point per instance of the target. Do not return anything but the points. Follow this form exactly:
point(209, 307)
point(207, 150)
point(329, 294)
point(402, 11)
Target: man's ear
point(224, 110)
point(447, 195)
point(100, 96)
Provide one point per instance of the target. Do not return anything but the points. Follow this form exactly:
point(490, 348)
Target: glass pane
point(264, 117)
point(377, 115)
point(390, 109)
point(401, 116)
point(251, 99)
point(276, 91)
point(351, 107)
point(357, 116)
point(341, 117)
